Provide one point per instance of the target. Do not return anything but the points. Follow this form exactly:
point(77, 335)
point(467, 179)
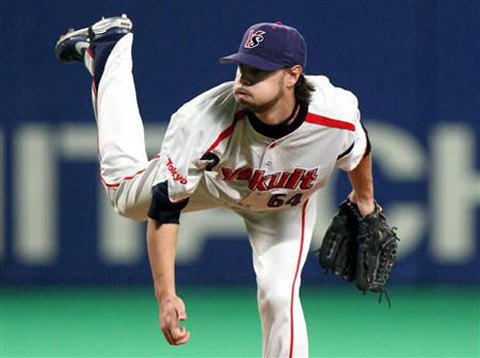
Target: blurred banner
point(414, 65)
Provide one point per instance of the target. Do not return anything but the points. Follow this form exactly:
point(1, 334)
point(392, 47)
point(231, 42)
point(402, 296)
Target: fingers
point(176, 335)
point(180, 309)
point(172, 313)
point(183, 339)
point(180, 335)
point(168, 335)
point(182, 315)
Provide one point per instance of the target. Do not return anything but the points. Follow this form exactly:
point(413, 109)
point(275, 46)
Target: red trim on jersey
point(116, 185)
point(130, 177)
point(108, 185)
point(297, 269)
point(227, 132)
point(328, 122)
point(90, 52)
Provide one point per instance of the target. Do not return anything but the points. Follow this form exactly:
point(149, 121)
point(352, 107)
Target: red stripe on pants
point(299, 260)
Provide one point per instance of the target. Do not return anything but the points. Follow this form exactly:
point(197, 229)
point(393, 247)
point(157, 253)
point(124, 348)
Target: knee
point(274, 296)
point(132, 213)
point(124, 206)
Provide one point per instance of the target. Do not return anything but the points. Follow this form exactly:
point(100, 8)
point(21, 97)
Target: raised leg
point(121, 142)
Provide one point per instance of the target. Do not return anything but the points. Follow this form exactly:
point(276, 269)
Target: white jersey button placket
point(266, 158)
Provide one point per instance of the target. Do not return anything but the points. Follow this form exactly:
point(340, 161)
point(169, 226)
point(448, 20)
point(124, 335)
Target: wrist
point(366, 207)
point(365, 198)
point(369, 201)
point(163, 295)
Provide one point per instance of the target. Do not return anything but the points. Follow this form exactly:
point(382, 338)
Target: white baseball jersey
point(256, 172)
point(218, 155)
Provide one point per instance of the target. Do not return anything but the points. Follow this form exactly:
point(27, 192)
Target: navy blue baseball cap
point(270, 46)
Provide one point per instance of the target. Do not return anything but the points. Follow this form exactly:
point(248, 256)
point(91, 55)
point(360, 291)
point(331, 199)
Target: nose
point(243, 78)
point(245, 81)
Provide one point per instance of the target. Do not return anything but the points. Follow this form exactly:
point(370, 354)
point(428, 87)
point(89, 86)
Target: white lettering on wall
point(399, 153)
point(35, 196)
point(454, 196)
point(455, 192)
point(401, 158)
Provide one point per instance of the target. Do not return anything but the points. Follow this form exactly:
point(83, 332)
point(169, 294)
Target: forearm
point(362, 184)
point(162, 247)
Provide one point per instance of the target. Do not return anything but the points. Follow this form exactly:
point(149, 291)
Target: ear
point(293, 74)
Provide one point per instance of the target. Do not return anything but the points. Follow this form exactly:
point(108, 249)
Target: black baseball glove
point(359, 248)
point(338, 252)
point(377, 251)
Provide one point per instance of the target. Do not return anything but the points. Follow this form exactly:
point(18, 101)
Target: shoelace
point(384, 291)
point(386, 295)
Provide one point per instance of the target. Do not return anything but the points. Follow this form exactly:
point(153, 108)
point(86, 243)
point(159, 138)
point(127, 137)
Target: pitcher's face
point(259, 90)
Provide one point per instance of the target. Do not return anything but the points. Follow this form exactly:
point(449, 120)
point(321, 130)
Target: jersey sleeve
point(175, 159)
point(178, 161)
point(355, 145)
point(192, 129)
point(341, 105)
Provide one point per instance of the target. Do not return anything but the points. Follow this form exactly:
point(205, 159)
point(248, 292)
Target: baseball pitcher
point(261, 145)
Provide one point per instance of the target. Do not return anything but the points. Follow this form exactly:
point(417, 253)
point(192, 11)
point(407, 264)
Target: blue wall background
point(414, 65)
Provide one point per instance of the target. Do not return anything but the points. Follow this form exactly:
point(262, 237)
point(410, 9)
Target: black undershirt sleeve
point(162, 210)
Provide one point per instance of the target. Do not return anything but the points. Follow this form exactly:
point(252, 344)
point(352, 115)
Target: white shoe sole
point(100, 27)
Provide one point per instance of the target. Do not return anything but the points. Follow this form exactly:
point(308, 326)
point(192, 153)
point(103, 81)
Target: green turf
point(224, 323)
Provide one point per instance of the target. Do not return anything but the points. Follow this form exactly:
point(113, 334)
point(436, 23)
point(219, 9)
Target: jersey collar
point(276, 131)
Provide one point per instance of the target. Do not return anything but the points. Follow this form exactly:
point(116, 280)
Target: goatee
point(261, 107)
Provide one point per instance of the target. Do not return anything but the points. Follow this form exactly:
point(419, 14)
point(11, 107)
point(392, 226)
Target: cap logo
point(254, 38)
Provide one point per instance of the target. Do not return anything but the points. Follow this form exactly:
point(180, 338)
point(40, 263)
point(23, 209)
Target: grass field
point(81, 322)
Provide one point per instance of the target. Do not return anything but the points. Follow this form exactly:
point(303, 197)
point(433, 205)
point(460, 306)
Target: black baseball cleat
point(71, 46)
